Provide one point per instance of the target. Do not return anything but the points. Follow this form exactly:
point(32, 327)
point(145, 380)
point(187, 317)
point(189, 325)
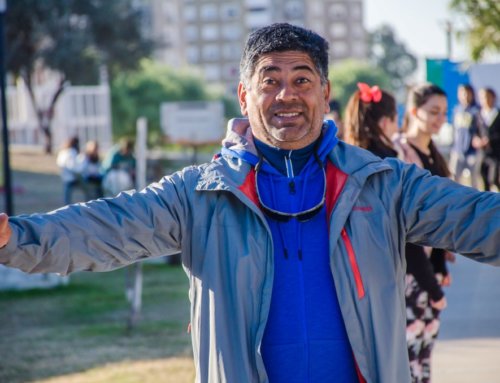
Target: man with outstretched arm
point(293, 241)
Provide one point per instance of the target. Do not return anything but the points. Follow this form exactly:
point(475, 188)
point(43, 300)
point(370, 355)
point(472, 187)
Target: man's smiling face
point(285, 100)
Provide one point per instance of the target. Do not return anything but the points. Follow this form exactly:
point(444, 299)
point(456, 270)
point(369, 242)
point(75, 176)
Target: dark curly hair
point(280, 37)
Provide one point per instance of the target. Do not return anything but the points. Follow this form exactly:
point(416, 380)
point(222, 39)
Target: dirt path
point(33, 160)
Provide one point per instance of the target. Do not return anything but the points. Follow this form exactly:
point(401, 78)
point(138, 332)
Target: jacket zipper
point(354, 264)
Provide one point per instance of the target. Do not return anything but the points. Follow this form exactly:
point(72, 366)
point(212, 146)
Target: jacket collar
point(228, 171)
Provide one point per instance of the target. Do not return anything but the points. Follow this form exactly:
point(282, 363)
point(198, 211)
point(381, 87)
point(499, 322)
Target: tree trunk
point(45, 116)
point(47, 132)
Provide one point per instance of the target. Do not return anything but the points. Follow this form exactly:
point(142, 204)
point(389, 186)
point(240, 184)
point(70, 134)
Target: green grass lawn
point(82, 326)
point(78, 333)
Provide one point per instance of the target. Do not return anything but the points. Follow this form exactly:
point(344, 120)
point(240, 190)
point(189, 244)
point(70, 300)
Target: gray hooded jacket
point(227, 250)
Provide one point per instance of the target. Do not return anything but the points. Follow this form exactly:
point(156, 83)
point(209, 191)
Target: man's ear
point(242, 99)
point(326, 92)
point(413, 111)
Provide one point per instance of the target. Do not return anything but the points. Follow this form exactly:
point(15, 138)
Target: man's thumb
point(5, 230)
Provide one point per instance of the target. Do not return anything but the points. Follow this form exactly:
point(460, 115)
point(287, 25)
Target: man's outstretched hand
point(5, 230)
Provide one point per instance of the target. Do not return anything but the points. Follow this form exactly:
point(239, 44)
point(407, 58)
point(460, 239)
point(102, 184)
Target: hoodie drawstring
point(280, 227)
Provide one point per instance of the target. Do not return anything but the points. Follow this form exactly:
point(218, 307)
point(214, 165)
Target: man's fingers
point(5, 230)
point(4, 221)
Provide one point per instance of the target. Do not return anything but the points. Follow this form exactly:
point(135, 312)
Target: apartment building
point(209, 34)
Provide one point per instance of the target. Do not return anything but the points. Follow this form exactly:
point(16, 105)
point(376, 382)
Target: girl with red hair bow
point(371, 120)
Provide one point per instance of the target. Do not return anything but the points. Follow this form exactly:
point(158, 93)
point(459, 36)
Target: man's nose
point(287, 93)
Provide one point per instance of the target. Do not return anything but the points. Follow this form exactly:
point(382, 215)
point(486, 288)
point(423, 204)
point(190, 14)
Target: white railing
point(84, 111)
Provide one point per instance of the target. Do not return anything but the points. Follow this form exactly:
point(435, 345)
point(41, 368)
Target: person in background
point(371, 123)
point(119, 167)
point(465, 127)
point(371, 119)
point(291, 239)
point(335, 114)
point(426, 112)
point(488, 140)
point(90, 169)
point(68, 165)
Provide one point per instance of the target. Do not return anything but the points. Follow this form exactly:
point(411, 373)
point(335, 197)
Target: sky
point(419, 24)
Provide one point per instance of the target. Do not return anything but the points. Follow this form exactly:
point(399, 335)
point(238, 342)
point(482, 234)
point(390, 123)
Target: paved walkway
point(468, 347)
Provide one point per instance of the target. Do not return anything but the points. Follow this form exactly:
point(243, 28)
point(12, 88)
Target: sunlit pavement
point(468, 346)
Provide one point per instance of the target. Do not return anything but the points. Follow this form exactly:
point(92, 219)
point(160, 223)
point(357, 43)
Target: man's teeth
point(287, 114)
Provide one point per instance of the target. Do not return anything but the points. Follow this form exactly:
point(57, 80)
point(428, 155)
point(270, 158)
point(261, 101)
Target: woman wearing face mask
point(425, 114)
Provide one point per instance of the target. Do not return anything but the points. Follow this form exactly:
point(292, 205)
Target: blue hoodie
point(305, 323)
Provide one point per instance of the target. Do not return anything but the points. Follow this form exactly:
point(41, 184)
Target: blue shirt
point(305, 340)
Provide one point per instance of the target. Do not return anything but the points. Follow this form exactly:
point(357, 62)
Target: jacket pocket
point(354, 264)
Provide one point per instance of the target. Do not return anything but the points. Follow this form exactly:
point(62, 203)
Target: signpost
point(193, 123)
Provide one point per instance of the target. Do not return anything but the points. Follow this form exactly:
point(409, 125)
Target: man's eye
point(269, 81)
point(303, 80)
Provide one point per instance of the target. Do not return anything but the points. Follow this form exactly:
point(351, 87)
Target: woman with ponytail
point(426, 112)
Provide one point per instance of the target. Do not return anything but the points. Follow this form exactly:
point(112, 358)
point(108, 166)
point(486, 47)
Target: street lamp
point(5, 131)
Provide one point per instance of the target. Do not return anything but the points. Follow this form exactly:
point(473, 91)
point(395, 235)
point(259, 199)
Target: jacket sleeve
point(100, 235)
point(441, 213)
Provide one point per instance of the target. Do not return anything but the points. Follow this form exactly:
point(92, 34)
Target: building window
point(258, 18)
point(231, 51)
point(257, 3)
point(316, 8)
point(169, 12)
point(318, 27)
point(208, 12)
point(356, 11)
point(294, 9)
point(210, 32)
point(229, 11)
point(170, 34)
point(338, 30)
point(231, 32)
point(358, 31)
point(191, 33)
point(190, 13)
point(193, 54)
point(337, 11)
point(210, 52)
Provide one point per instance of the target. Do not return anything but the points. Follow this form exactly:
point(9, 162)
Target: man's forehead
point(289, 59)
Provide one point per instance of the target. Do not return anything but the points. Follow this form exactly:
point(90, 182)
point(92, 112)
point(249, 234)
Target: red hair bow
point(367, 94)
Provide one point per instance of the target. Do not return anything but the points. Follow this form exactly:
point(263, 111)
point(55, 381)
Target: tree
point(484, 24)
point(76, 39)
point(391, 55)
point(345, 76)
point(140, 93)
